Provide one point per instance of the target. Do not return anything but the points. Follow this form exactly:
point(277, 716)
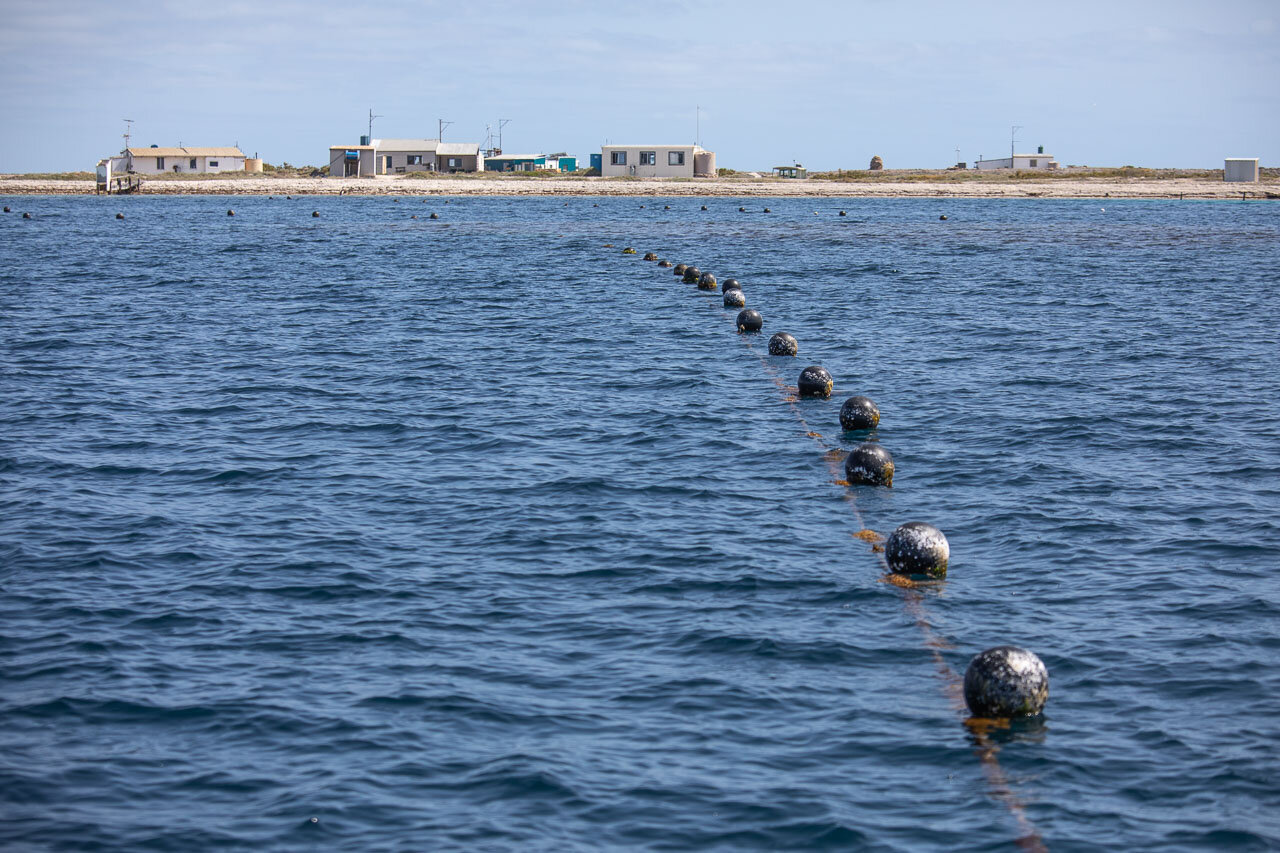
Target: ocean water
point(367, 532)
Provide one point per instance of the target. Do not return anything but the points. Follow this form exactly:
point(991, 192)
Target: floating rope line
point(987, 751)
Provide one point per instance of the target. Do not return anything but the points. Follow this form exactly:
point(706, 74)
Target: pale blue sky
point(827, 83)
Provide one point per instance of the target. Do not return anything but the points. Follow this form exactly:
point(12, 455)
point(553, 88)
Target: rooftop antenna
point(502, 122)
point(1013, 134)
point(371, 118)
point(128, 131)
point(441, 124)
point(957, 153)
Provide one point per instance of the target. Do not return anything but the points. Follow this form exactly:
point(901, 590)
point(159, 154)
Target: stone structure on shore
point(876, 164)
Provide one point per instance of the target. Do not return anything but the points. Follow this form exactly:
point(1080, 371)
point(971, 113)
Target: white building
point(402, 156)
point(157, 161)
point(657, 161)
point(1039, 160)
point(1240, 169)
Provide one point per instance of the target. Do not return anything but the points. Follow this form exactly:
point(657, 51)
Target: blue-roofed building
point(529, 163)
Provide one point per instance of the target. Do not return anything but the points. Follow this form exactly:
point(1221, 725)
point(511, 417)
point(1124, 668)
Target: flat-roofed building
point(403, 156)
point(157, 160)
point(657, 161)
point(1039, 160)
point(1240, 169)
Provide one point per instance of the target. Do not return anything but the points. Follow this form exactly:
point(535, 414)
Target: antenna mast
point(371, 118)
point(128, 131)
point(697, 131)
point(502, 122)
point(1013, 134)
point(441, 124)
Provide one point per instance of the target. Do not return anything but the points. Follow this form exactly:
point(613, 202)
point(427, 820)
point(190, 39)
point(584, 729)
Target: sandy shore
point(1190, 188)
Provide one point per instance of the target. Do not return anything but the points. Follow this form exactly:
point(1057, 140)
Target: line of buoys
point(1001, 682)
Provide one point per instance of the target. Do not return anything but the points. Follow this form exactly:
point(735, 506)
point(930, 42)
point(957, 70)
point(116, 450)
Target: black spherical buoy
point(783, 344)
point(731, 283)
point(7, 210)
point(815, 382)
point(704, 207)
point(664, 263)
point(434, 216)
point(315, 214)
point(1006, 682)
point(119, 216)
point(666, 207)
point(859, 413)
point(767, 210)
point(650, 256)
point(917, 548)
point(734, 299)
point(943, 217)
point(692, 274)
point(869, 465)
point(26, 216)
point(706, 281)
point(842, 213)
point(628, 251)
point(231, 213)
point(680, 268)
point(750, 321)
point(742, 210)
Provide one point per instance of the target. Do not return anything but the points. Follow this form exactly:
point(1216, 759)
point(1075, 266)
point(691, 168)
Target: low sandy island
point(932, 185)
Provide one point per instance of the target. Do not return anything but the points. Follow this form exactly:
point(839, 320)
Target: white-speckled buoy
point(783, 344)
point(859, 413)
point(917, 548)
point(734, 299)
point(815, 381)
point(869, 464)
point(1006, 681)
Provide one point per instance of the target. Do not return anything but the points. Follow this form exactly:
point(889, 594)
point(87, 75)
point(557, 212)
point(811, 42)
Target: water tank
point(364, 140)
point(253, 164)
point(1040, 150)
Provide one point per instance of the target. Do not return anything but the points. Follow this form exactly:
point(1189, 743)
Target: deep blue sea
point(365, 532)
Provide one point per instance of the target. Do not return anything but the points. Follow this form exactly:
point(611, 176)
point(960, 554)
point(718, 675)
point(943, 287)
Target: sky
point(827, 84)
